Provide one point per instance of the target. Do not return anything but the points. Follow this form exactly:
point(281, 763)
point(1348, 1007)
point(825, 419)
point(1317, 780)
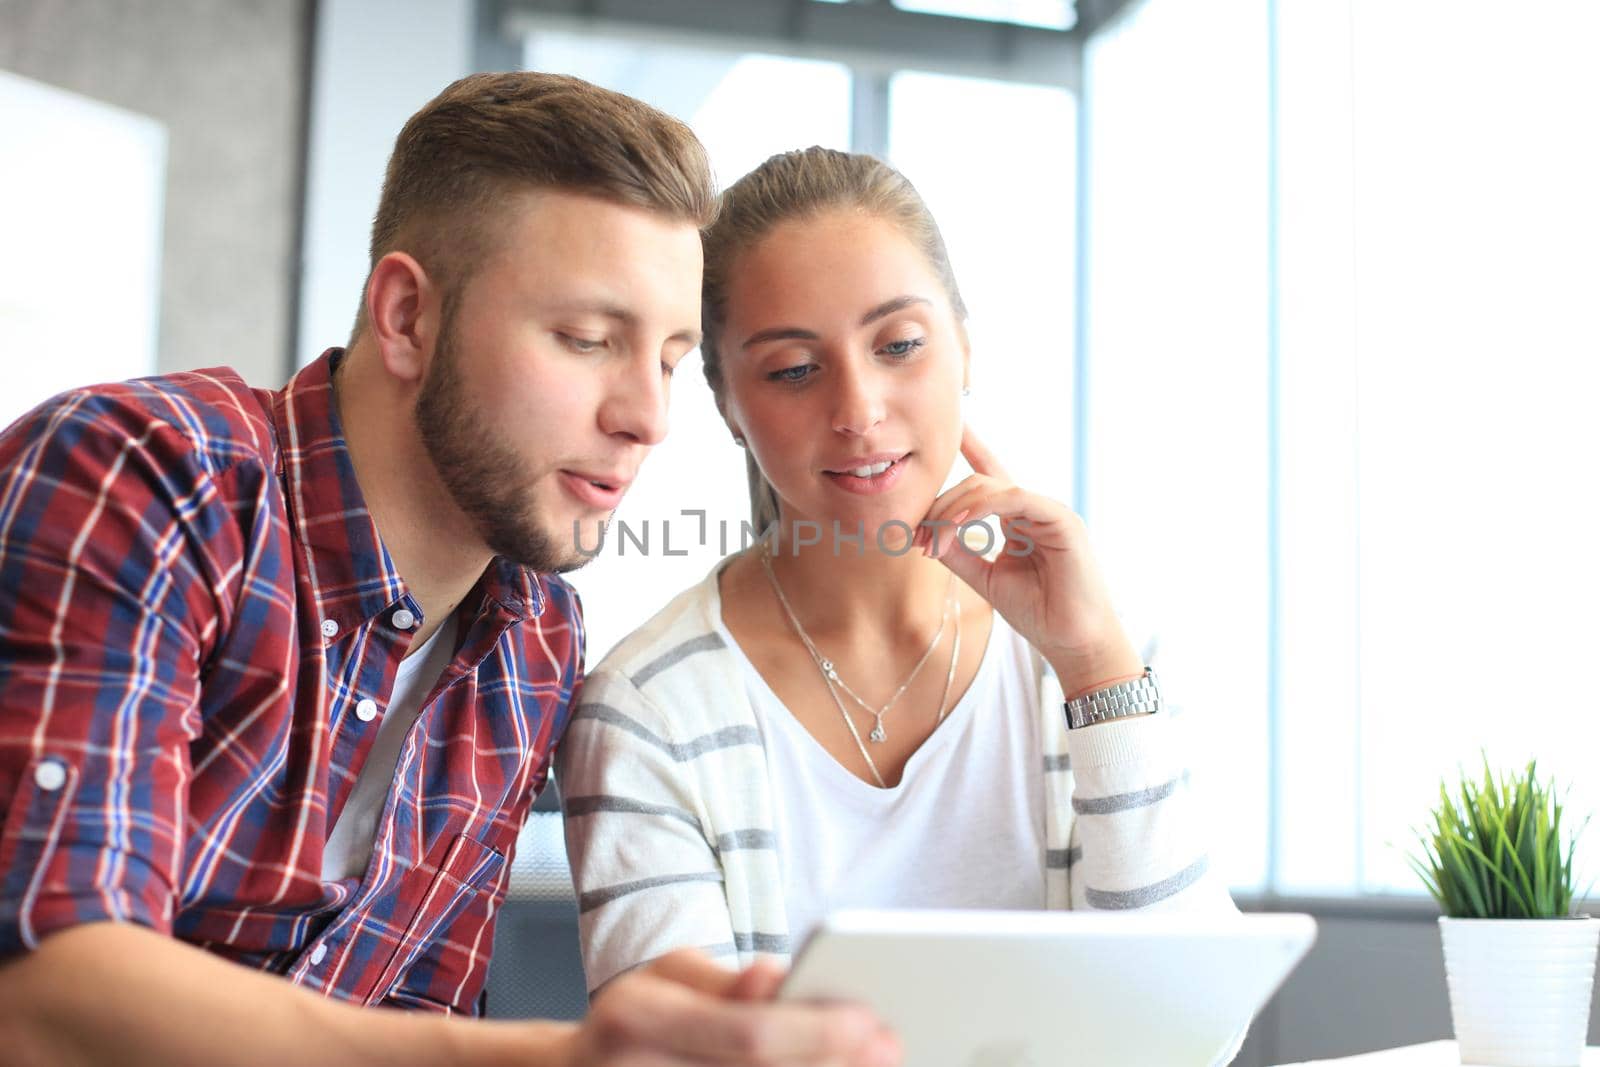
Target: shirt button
point(367, 710)
point(50, 775)
point(403, 619)
point(319, 954)
point(330, 628)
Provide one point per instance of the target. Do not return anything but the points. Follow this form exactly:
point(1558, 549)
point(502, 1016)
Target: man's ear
point(403, 314)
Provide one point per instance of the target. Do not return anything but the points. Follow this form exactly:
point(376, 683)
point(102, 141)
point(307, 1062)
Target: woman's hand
point(1045, 581)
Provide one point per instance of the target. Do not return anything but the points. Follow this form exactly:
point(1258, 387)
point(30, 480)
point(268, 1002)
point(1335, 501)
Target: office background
point(1294, 300)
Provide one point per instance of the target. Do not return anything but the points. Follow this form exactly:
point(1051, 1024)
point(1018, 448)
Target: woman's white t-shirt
point(964, 828)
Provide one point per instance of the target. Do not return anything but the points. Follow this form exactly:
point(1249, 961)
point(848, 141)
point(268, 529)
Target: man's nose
point(636, 404)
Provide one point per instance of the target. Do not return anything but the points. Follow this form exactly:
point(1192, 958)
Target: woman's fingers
point(979, 456)
point(1016, 508)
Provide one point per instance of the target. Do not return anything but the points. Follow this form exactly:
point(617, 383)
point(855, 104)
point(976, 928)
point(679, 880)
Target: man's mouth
point(598, 489)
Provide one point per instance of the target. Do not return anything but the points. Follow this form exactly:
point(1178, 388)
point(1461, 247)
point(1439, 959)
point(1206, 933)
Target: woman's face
point(843, 365)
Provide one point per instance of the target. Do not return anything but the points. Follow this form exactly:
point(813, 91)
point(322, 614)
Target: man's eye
point(580, 344)
point(798, 373)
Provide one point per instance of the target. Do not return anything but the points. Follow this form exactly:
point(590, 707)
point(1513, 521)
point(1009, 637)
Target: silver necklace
point(830, 676)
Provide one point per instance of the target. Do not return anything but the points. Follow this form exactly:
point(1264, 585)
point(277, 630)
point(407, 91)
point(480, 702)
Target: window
point(88, 240)
point(1462, 344)
point(1342, 351)
point(1004, 198)
point(1176, 473)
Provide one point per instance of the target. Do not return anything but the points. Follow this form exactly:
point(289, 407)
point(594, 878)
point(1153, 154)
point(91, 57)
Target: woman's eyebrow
point(889, 307)
point(795, 333)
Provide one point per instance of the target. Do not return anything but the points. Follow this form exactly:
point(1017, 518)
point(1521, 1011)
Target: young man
point(281, 672)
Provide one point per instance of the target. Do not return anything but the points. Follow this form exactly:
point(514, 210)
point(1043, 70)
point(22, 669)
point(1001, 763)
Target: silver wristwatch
point(1141, 696)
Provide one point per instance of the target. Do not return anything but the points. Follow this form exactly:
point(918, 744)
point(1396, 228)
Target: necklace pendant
point(877, 735)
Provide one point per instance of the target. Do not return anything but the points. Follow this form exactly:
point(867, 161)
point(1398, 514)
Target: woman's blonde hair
point(794, 186)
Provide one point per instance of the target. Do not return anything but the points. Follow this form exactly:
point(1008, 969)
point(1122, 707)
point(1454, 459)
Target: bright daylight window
point(1004, 200)
point(1175, 489)
point(94, 190)
point(1439, 281)
point(1402, 580)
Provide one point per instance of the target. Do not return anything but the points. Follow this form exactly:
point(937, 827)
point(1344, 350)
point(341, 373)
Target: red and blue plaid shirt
point(193, 601)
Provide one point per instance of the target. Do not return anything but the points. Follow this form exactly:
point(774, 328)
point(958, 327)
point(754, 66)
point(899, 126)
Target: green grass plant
point(1495, 849)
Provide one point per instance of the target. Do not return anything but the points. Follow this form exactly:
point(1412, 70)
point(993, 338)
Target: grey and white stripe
point(671, 658)
point(1062, 859)
point(578, 807)
point(684, 751)
point(594, 898)
point(1139, 798)
point(1146, 895)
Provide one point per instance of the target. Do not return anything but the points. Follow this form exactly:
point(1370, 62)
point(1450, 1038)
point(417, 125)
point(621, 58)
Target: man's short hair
point(487, 136)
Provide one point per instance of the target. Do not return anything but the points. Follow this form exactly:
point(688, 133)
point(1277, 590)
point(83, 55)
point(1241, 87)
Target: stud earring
point(738, 440)
point(966, 390)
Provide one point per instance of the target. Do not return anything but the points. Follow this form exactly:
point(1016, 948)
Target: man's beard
point(486, 479)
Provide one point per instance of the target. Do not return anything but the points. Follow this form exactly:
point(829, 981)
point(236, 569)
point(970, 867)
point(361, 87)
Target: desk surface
point(1433, 1054)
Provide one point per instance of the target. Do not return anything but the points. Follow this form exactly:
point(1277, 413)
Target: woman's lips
point(877, 483)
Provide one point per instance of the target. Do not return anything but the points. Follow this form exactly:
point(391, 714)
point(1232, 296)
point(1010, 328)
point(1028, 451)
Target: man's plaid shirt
point(193, 601)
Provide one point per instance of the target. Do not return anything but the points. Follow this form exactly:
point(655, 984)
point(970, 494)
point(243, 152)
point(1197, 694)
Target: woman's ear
point(727, 418)
point(403, 313)
point(966, 358)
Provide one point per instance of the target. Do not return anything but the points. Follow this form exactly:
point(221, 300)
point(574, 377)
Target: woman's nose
point(859, 405)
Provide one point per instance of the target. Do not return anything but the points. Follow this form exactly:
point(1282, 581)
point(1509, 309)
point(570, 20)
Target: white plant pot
point(1519, 989)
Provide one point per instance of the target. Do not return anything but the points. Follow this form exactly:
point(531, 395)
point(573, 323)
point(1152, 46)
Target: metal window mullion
point(1274, 445)
point(869, 112)
point(1080, 285)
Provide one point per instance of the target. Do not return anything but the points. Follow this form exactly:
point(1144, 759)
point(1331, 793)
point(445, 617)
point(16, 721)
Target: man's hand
point(683, 1009)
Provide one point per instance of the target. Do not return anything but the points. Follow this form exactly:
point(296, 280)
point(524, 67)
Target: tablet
point(1054, 989)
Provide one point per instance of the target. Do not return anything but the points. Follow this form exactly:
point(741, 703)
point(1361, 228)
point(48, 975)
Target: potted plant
point(1519, 965)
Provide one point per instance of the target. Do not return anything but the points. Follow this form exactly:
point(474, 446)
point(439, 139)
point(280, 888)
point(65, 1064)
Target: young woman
point(845, 715)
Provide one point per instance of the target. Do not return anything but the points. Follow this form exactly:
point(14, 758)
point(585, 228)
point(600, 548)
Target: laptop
point(1054, 989)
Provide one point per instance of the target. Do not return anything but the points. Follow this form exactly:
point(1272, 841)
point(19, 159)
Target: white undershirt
point(965, 828)
point(349, 847)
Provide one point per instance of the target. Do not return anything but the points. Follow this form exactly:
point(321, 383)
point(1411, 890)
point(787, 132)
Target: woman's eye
point(901, 349)
point(798, 373)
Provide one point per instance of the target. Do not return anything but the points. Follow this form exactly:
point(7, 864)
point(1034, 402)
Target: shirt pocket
point(469, 868)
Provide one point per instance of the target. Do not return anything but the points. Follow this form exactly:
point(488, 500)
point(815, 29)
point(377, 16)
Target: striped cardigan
point(669, 808)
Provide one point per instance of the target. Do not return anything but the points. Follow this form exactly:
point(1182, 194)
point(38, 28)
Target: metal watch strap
point(1139, 696)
